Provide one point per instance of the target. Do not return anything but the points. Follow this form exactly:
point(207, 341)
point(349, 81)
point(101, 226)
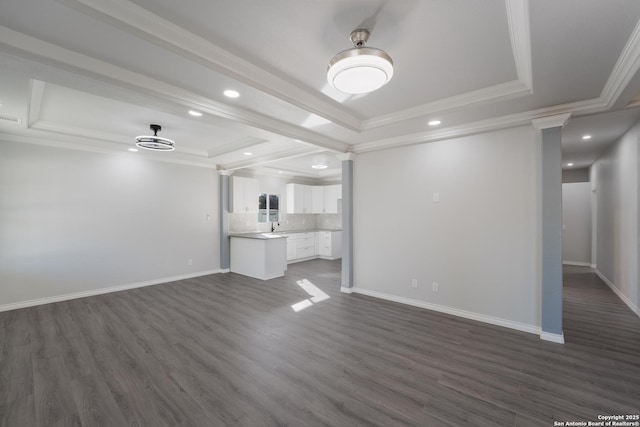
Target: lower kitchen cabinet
point(309, 245)
point(330, 244)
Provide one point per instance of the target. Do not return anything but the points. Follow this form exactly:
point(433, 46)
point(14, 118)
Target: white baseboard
point(100, 291)
point(448, 310)
point(619, 293)
point(593, 266)
point(346, 290)
point(547, 336)
point(578, 263)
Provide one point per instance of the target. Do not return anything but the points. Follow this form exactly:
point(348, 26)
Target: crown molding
point(135, 19)
point(36, 137)
point(625, 69)
point(36, 91)
point(520, 34)
point(121, 140)
point(270, 158)
point(547, 122)
point(90, 67)
point(496, 123)
point(345, 156)
point(232, 146)
point(500, 92)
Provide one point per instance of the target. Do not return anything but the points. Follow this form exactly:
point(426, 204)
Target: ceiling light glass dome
point(360, 69)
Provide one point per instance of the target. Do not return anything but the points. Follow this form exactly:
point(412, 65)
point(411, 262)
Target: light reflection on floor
point(317, 295)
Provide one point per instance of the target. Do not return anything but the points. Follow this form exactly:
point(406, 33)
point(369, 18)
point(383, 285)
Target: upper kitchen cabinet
point(299, 198)
point(313, 199)
point(317, 199)
point(332, 193)
point(244, 195)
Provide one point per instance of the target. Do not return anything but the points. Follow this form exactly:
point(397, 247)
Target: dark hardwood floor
point(226, 350)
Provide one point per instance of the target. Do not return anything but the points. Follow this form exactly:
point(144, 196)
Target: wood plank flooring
point(226, 350)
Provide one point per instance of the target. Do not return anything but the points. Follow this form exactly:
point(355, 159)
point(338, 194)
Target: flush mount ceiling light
point(319, 166)
point(360, 69)
point(585, 137)
point(155, 142)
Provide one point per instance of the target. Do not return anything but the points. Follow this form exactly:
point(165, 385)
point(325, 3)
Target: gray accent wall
point(615, 181)
point(76, 221)
point(347, 224)
point(551, 174)
point(576, 223)
point(225, 200)
point(479, 242)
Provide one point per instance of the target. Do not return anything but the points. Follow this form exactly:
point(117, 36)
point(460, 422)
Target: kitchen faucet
point(273, 227)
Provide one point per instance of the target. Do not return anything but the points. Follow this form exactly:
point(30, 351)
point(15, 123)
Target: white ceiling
point(93, 74)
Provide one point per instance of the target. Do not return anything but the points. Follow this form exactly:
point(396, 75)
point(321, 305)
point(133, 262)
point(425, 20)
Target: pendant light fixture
point(360, 69)
point(155, 142)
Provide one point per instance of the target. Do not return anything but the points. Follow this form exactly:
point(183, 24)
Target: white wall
point(576, 223)
point(480, 242)
point(615, 179)
point(75, 221)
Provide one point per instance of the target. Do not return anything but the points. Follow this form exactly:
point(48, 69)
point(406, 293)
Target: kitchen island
point(259, 255)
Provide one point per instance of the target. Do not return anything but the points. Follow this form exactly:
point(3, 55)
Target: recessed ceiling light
point(247, 153)
point(135, 150)
point(586, 137)
point(569, 164)
point(195, 113)
point(319, 166)
point(434, 122)
point(280, 172)
point(230, 93)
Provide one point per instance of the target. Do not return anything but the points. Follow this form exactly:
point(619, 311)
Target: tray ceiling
point(94, 73)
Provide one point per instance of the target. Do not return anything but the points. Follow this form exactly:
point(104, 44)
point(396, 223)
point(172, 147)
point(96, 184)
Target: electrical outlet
point(190, 262)
point(436, 197)
point(435, 287)
point(414, 283)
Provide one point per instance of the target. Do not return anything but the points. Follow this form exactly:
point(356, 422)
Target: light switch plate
point(436, 197)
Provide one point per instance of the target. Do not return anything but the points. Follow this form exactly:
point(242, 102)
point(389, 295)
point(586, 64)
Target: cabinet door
point(307, 197)
point(324, 238)
point(317, 199)
point(244, 194)
point(331, 199)
point(291, 247)
point(237, 194)
point(251, 195)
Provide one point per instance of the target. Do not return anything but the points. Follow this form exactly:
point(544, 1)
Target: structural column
point(551, 225)
point(225, 243)
point(347, 221)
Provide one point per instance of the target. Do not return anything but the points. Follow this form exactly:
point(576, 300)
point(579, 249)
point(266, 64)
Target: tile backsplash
point(243, 222)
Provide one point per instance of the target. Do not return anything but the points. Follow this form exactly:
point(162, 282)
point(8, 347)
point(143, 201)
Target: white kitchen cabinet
point(330, 244)
point(317, 199)
point(330, 197)
point(299, 198)
point(302, 246)
point(306, 245)
point(244, 195)
point(258, 257)
point(291, 247)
